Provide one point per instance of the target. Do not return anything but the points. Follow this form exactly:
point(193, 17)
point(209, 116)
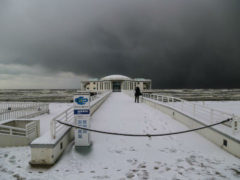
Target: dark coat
point(137, 91)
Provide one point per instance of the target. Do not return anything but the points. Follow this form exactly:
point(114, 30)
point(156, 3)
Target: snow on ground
point(45, 119)
point(185, 156)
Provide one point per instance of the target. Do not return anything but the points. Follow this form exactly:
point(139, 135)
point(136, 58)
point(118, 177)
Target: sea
point(66, 95)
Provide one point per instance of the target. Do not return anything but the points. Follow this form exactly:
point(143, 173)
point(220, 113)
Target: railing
point(68, 116)
point(30, 130)
point(22, 110)
point(204, 113)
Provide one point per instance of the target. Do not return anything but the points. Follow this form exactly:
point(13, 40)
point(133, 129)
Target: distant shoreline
point(65, 95)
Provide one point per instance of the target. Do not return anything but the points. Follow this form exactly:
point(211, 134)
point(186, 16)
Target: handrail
point(182, 100)
point(22, 110)
point(55, 126)
point(18, 104)
point(10, 127)
point(31, 129)
point(201, 106)
point(191, 108)
point(63, 112)
point(28, 130)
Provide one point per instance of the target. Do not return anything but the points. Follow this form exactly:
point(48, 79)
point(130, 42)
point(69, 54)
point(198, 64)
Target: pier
point(156, 114)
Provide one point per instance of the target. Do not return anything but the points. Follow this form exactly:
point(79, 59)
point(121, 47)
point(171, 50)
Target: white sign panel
point(82, 117)
point(82, 135)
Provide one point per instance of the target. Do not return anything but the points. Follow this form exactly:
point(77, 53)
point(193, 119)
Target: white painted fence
point(29, 131)
point(204, 113)
point(68, 116)
point(22, 110)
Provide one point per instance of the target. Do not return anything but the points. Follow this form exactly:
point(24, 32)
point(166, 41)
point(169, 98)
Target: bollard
point(82, 118)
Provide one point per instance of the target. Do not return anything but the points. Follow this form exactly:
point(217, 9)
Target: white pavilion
point(116, 83)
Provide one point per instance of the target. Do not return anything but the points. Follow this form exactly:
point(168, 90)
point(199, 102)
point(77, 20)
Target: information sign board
point(82, 117)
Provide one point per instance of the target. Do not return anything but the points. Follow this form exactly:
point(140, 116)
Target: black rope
point(142, 135)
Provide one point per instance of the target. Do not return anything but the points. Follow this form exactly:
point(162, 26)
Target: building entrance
point(116, 86)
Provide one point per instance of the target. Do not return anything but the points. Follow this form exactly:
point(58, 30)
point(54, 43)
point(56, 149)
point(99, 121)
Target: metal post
point(173, 102)
point(236, 125)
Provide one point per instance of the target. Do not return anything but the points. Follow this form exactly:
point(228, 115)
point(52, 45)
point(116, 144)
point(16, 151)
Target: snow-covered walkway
point(45, 119)
point(185, 156)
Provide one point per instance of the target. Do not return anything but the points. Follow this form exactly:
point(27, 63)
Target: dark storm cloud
point(176, 43)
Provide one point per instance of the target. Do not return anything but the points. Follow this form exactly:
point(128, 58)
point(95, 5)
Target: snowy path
point(186, 156)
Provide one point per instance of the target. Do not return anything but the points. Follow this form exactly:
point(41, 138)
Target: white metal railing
point(29, 131)
point(22, 110)
point(68, 115)
point(203, 113)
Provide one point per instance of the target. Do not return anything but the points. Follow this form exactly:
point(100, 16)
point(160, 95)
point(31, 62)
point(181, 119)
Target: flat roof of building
point(116, 77)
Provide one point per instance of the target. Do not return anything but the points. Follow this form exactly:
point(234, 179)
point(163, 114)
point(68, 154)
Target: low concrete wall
point(46, 151)
point(223, 140)
point(12, 140)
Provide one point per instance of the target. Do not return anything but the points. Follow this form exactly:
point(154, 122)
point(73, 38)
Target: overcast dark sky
point(176, 43)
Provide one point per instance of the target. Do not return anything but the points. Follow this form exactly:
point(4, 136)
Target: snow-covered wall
point(218, 137)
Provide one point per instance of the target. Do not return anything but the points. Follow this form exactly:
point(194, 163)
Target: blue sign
point(81, 100)
point(81, 111)
point(82, 123)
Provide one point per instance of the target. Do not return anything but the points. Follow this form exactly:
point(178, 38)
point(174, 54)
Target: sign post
point(82, 118)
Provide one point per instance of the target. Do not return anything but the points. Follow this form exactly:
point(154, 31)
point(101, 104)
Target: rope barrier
point(142, 135)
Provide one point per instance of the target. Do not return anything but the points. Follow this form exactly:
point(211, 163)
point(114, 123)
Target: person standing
point(137, 94)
